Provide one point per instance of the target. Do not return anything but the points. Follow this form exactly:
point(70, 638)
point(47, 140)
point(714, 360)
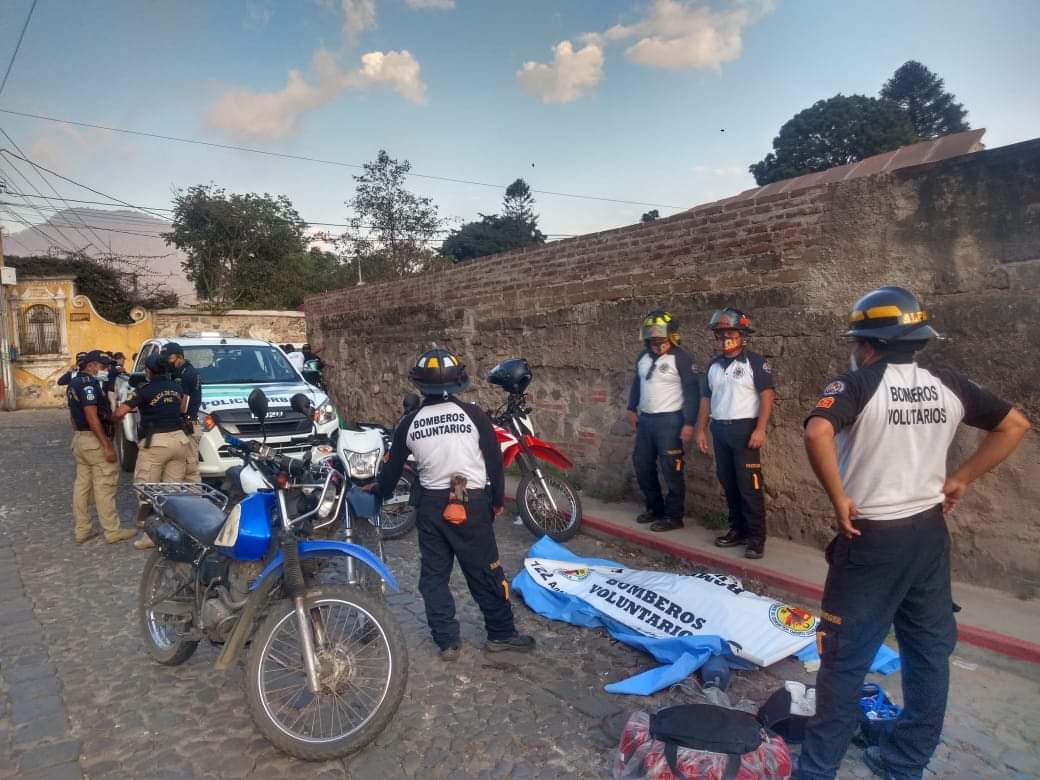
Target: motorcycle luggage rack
point(156, 493)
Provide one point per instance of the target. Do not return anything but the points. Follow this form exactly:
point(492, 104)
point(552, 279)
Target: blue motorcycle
point(328, 665)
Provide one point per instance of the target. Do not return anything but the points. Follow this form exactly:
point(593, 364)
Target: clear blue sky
point(634, 113)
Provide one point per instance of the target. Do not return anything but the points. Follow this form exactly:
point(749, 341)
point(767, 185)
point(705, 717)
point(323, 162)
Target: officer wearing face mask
point(878, 440)
point(738, 398)
point(662, 408)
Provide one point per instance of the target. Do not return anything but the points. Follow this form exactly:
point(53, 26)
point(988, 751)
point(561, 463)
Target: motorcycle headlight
point(325, 413)
point(362, 465)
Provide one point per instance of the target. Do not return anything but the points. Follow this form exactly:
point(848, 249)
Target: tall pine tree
point(932, 110)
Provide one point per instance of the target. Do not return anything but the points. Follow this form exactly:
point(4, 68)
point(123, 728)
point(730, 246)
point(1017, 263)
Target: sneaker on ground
point(450, 653)
point(520, 643)
point(120, 536)
point(647, 517)
point(84, 538)
point(144, 543)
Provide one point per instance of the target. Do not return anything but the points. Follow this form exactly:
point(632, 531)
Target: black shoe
point(755, 550)
point(450, 653)
point(648, 517)
point(732, 539)
point(519, 643)
point(666, 524)
point(872, 758)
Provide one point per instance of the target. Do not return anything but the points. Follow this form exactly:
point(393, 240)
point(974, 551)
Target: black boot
point(518, 643)
point(731, 539)
point(667, 524)
point(647, 517)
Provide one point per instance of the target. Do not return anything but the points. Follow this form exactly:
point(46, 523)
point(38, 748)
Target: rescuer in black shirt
point(877, 440)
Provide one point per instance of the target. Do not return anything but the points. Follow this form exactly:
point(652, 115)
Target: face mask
point(101, 376)
point(729, 344)
point(854, 359)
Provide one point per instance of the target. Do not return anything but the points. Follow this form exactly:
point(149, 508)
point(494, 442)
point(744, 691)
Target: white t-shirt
point(667, 384)
point(734, 385)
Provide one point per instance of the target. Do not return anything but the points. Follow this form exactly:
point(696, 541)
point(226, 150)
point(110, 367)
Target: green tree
point(113, 292)
point(236, 244)
point(920, 93)
point(391, 228)
point(834, 132)
point(650, 216)
point(515, 228)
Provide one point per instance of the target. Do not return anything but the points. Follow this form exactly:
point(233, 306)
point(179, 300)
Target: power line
point(139, 220)
point(47, 182)
point(17, 46)
point(31, 226)
point(9, 153)
point(69, 243)
point(305, 158)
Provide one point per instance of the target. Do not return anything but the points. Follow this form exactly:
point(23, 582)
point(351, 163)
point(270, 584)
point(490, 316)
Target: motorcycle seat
point(196, 515)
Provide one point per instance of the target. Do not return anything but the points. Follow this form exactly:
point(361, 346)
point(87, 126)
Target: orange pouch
point(455, 512)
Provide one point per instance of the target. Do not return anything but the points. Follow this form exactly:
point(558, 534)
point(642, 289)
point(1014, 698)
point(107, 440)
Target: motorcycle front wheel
point(362, 672)
point(164, 607)
point(398, 511)
point(536, 509)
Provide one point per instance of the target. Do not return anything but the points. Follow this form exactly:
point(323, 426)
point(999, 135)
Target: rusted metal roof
point(935, 149)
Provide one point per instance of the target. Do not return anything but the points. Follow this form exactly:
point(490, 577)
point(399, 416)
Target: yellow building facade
point(49, 324)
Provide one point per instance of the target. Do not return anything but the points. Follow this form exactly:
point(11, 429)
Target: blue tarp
point(680, 656)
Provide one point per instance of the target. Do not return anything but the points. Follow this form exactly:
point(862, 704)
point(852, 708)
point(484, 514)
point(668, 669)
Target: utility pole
point(6, 374)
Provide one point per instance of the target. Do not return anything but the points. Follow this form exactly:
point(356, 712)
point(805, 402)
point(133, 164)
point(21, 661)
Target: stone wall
point(281, 327)
point(963, 233)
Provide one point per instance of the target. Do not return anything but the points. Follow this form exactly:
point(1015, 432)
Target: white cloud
point(440, 5)
point(57, 146)
point(678, 35)
point(570, 75)
point(675, 35)
point(358, 16)
point(246, 113)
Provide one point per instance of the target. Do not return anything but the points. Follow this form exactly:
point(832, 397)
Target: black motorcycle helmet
point(889, 315)
point(513, 375)
point(730, 319)
point(438, 372)
point(659, 324)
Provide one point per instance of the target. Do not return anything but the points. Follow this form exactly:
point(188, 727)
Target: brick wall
point(963, 233)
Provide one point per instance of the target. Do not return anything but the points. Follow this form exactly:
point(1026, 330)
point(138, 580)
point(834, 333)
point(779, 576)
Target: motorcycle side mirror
point(258, 404)
point(411, 403)
point(302, 404)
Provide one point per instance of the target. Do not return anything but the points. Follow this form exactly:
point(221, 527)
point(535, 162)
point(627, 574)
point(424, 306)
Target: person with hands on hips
point(662, 408)
point(462, 489)
point(878, 440)
point(97, 474)
point(738, 398)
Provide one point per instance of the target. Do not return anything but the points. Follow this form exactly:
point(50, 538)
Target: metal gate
point(39, 331)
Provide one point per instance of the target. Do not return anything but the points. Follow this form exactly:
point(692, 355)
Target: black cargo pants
point(658, 443)
point(473, 544)
point(897, 572)
point(740, 471)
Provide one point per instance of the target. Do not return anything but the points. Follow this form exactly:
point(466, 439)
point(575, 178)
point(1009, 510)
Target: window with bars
point(39, 331)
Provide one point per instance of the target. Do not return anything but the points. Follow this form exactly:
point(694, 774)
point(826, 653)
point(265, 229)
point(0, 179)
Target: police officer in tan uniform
point(164, 444)
point(191, 386)
point(97, 474)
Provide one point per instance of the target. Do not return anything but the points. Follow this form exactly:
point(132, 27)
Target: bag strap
point(671, 755)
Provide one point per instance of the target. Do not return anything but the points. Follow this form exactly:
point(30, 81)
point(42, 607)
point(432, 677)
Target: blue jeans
point(658, 444)
point(897, 572)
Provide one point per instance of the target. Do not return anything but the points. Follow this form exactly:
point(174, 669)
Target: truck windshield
point(228, 364)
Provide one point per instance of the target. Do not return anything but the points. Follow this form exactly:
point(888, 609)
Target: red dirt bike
point(548, 503)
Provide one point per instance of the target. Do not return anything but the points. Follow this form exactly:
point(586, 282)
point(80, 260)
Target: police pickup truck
point(230, 368)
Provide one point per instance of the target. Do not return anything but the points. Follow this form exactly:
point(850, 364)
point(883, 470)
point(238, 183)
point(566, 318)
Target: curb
point(1009, 646)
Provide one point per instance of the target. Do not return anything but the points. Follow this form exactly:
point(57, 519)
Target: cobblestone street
point(79, 697)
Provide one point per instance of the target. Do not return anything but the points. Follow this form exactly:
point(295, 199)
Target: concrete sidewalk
point(988, 618)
